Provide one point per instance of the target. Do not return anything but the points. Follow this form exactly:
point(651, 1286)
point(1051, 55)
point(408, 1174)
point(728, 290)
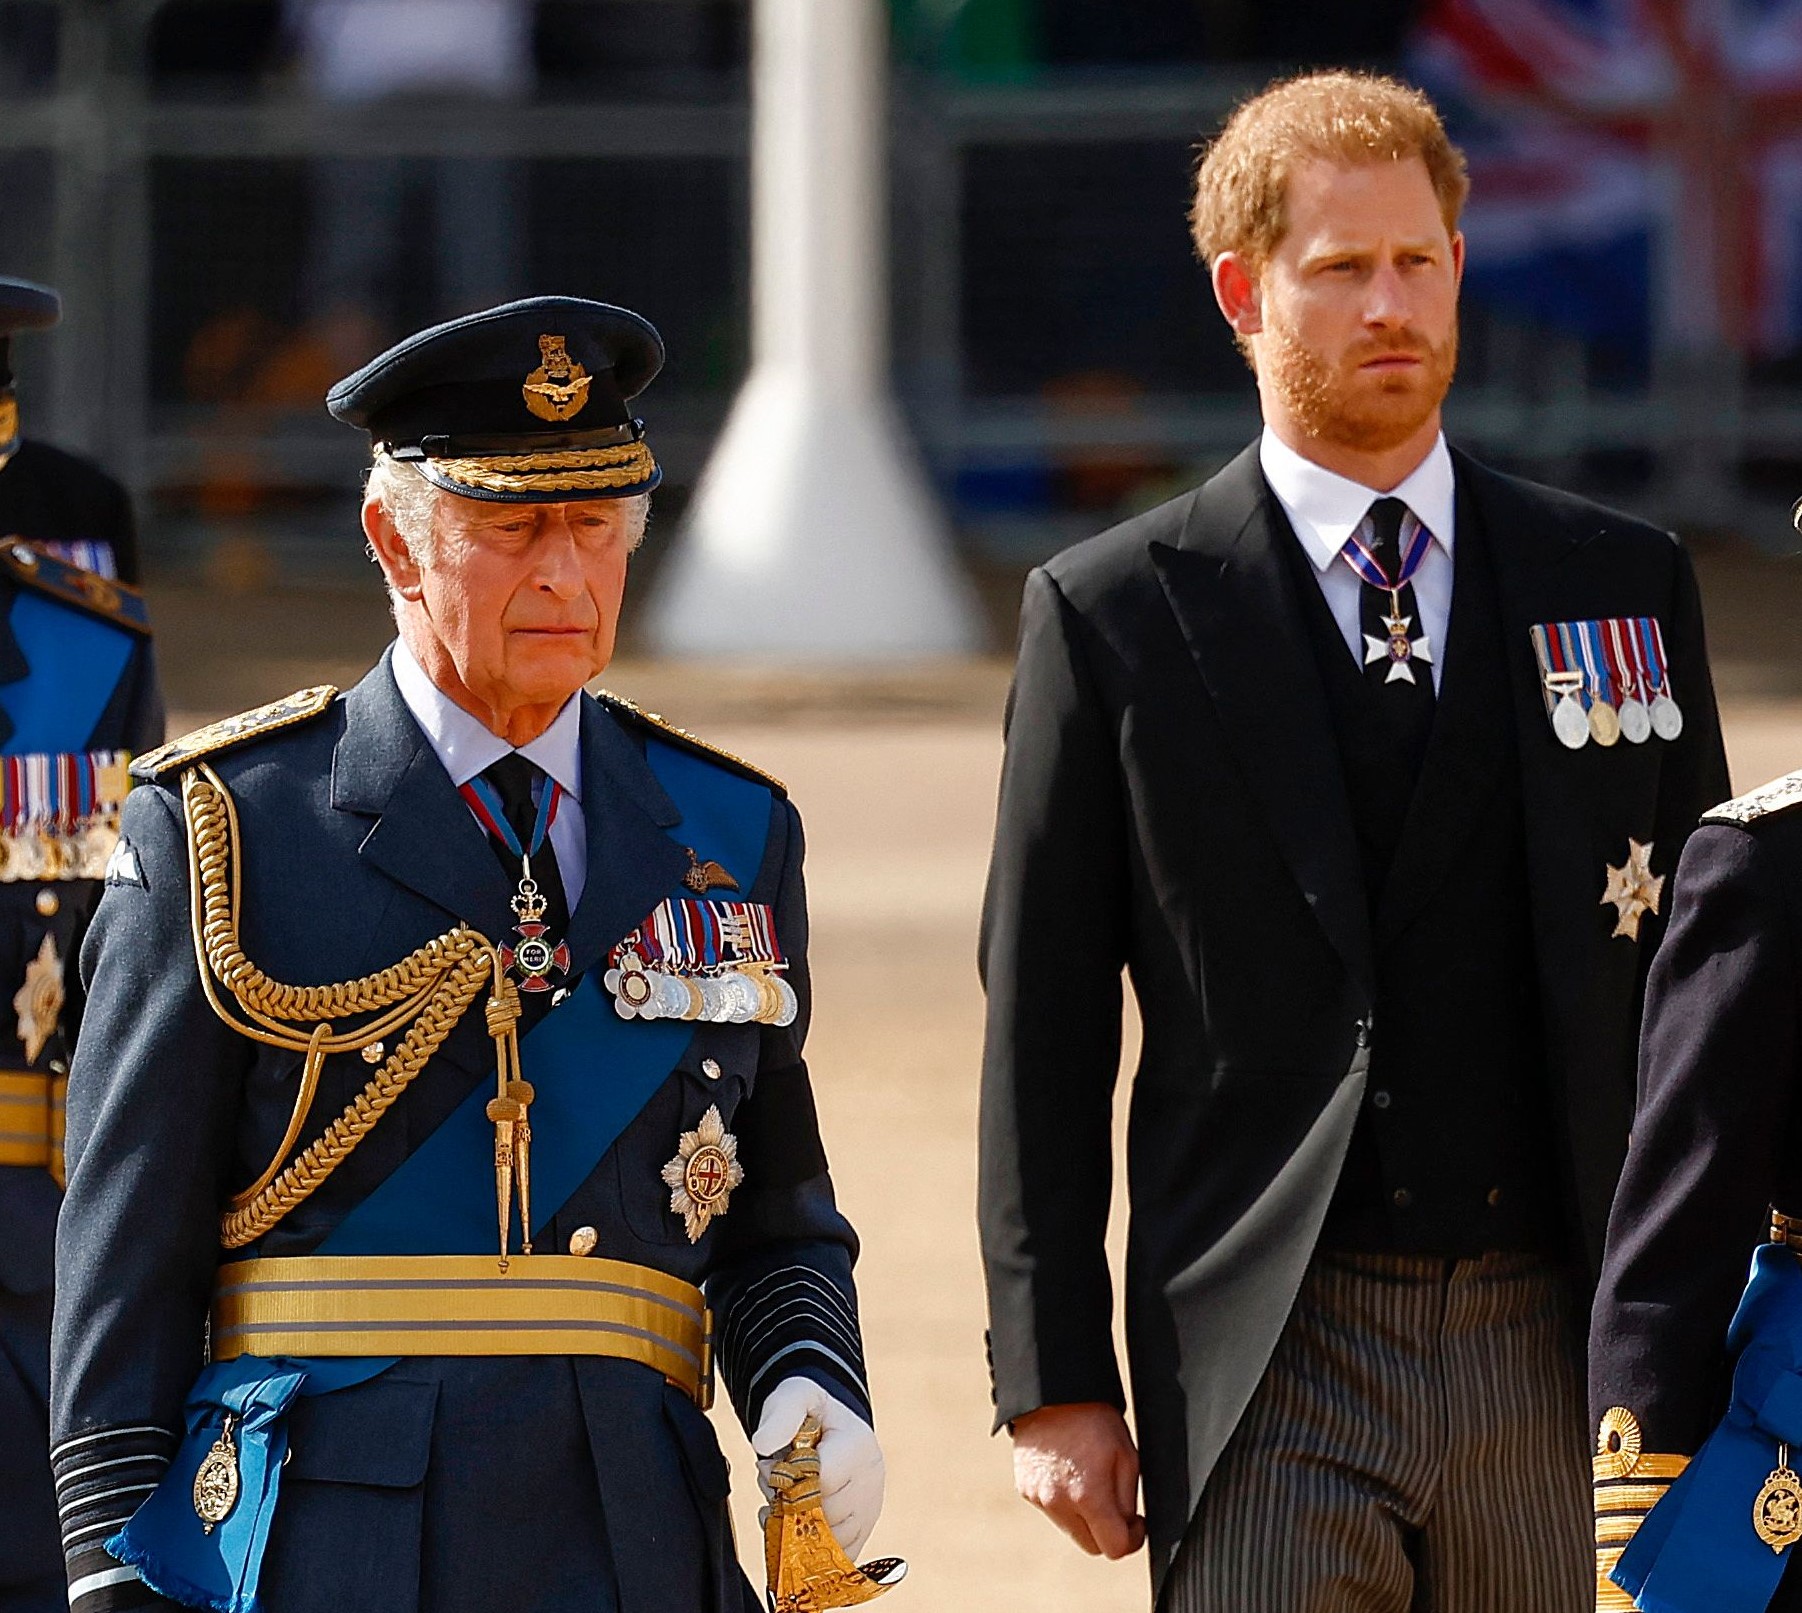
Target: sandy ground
point(896, 778)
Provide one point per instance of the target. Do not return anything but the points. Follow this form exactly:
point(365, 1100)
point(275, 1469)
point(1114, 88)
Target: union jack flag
point(1636, 164)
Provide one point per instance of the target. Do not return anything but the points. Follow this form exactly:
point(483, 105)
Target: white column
point(814, 533)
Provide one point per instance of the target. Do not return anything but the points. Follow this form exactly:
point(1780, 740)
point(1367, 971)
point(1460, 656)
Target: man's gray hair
point(411, 503)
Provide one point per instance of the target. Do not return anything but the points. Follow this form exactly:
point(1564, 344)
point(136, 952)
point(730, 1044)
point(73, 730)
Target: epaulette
point(36, 568)
point(302, 706)
point(1777, 796)
point(620, 706)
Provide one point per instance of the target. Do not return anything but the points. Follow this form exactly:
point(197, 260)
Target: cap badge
point(558, 388)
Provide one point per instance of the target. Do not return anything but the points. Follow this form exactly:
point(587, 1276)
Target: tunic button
point(583, 1240)
point(1495, 1197)
point(1403, 1198)
point(711, 1069)
point(1380, 1100)
point(48, 903)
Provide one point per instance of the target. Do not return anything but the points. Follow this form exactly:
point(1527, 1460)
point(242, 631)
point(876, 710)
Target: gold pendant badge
point(1777, 1513)
point(38, 1004)
point(703, 1174)
point(558, 388)
point(216, 1482)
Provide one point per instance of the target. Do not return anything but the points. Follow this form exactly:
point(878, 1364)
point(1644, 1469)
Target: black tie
point(521, 784)
point(1407, 704)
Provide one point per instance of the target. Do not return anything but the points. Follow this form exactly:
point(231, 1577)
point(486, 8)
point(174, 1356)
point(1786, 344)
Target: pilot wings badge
point(558, 388)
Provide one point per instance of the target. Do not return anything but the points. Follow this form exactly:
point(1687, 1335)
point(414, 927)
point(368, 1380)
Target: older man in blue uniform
point(78, 696)
point(440, 1116)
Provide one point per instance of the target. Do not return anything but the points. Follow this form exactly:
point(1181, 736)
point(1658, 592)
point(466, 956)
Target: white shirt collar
point(1325, 507)
point(466, 745)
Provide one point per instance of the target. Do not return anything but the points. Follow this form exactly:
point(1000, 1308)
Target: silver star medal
point(1398, 649)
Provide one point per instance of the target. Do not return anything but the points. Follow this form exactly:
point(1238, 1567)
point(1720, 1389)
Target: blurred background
point(241, 200)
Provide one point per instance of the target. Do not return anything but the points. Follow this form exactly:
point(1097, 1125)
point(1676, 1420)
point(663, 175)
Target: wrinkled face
point(1359, 303)
point(525, 598)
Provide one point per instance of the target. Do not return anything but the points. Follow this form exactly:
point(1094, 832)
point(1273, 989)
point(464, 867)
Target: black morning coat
point(444, 1485)
point(1172, 806)
point(48, 495)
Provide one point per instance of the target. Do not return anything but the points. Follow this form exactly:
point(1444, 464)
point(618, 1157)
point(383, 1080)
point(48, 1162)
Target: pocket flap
point(377, 1433)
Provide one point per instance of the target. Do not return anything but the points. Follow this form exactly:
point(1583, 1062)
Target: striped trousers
point(1416, 1446)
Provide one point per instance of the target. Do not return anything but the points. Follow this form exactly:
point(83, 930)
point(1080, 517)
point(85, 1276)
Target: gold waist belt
point(31, 1119)
point(465, 1305)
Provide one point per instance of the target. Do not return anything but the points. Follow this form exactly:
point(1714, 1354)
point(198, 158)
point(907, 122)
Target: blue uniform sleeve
point(152, 1108)
point(782, 1293)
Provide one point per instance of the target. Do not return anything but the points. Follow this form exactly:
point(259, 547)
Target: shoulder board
point(621, 707)
point(1777, 796)
point(299, 707)
point(35, 568)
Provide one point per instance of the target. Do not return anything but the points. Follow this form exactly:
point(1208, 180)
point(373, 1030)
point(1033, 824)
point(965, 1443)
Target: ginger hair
point(1242, 179)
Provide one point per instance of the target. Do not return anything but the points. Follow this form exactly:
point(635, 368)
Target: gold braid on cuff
point(568, 470)
point(431, 988)
point(1629, 1482)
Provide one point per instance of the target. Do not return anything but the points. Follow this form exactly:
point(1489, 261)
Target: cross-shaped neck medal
point(1399, 647)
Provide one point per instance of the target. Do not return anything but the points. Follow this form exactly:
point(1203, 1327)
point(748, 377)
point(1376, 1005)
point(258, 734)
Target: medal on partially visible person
point(1777, 1513)
point(537, 953)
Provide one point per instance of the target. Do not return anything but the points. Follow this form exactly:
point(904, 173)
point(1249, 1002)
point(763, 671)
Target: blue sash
point(593, 1072)
point(76, 662)
point(1696, 1551)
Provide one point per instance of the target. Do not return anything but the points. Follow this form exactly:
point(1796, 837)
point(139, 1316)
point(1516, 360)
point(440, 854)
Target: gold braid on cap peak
point(561, 470)
point(432, 987)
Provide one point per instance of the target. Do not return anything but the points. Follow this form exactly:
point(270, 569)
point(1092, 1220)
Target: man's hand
point(851, 1468)
point(1078, 1465)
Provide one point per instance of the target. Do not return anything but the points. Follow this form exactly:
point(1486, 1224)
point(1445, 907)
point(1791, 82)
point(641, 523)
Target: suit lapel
point(1233, 599)
point(424, 836)
point(1469, 746)
point(632, 863)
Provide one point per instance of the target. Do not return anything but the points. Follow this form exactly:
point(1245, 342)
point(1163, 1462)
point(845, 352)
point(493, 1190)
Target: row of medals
point(1634, 721)
point(721, 997)
point(36, 854)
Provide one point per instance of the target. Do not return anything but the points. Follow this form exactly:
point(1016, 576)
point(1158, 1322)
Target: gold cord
point(432, 987)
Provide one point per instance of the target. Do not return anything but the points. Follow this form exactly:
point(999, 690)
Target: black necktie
point(1407, 702)
point(521, 784)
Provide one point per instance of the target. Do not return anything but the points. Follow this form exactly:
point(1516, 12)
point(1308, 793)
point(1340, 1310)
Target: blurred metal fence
point(1055, 346)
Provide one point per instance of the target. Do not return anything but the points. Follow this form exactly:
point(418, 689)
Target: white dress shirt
point(465, 745)
point(1326, 508)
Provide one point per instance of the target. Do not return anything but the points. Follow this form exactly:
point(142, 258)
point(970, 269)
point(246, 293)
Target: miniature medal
point(1633, 890)
point(1777, 1513)
point(1636, 721)
point(1623, 665)
point(1667, 717)
point(1569, 722)
point(216, 1482)
point(38, 1003)
point(703, 1174)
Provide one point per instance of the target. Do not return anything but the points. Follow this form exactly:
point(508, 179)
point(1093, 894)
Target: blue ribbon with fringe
point(1696, 1551)
point(593, 1072)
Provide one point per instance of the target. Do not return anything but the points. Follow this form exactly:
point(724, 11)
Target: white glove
point(851, 1468)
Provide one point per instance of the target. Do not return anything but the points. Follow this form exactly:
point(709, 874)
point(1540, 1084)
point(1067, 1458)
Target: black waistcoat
point(1452, 1154)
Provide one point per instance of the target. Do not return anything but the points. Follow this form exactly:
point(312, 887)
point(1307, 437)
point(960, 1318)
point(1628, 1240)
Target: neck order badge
point(1399, 648)
point(532, 958)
